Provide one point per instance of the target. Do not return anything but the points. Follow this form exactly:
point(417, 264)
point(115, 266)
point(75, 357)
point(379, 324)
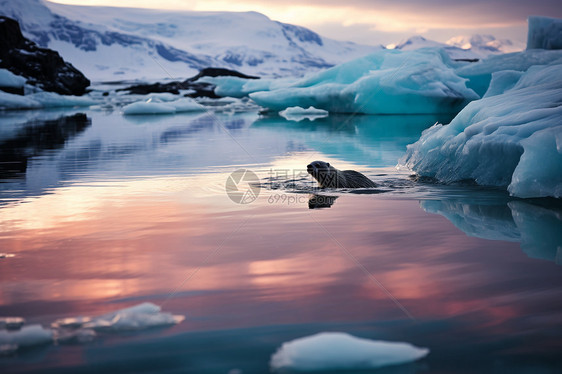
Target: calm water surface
point(102, 212)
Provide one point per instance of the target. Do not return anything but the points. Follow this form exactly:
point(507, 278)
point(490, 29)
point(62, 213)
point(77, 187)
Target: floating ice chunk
point(28, 336)
point(544, 33)
point(9, 79)
point(241, 87)
point(12, 101)
point(144, 107)
point(155, 106)
point(54, 100)
point(139, 317)
point(11, 323)
point(341, 351)
point(386, 82)
point(297, 113)
point(513, 139)
point(187, 105)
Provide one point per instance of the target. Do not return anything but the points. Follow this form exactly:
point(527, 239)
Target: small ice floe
point(6, 255)
point(296, 113)
point(138, 317)
point(80, 336)
point(28, 336)
point(11, 323)
point(341, 351)
point(154, 105)
point(42, 100)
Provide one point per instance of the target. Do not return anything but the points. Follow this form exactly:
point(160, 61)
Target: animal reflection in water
point(321, 201)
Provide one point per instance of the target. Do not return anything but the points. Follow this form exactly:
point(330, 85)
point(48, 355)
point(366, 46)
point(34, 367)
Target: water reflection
point(137, 212)
point(537, 227)
point(30, 139)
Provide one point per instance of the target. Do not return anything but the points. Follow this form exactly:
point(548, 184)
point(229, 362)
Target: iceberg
point(341, 351)
point(479, 74)
point(544, 33)
point(155, 105)
point(510, 138)
point(386, 82)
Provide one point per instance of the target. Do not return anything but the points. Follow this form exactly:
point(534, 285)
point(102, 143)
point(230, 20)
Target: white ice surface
point(138, 317)
point(28, 336)
point(42, 100)
point(341, 351)
point(511, 138)
point(297, 113)
point(155, 105)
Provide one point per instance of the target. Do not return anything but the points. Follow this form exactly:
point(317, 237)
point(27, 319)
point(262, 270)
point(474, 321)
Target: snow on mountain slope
point(108, 43)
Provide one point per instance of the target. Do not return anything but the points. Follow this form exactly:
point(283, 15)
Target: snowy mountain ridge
point(155, 44)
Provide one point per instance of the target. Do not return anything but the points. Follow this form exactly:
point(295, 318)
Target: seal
point(328, 176)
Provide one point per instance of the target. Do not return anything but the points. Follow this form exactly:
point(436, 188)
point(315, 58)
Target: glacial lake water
point(99, 212)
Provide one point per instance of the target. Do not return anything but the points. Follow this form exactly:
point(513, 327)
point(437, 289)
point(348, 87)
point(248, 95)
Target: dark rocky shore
point(42, 67)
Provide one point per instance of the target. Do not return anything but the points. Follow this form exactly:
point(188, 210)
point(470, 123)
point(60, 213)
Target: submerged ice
point(341, 351)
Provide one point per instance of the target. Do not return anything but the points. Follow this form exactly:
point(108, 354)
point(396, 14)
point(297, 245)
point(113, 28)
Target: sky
point(377, 21)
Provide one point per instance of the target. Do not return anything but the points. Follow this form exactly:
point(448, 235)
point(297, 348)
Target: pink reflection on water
point(271, 264)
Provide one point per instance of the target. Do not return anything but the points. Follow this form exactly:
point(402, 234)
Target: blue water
point(100, 212)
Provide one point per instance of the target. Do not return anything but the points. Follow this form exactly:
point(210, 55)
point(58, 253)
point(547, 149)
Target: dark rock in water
point(42, 67)
point(220, 72)
point(200, 89)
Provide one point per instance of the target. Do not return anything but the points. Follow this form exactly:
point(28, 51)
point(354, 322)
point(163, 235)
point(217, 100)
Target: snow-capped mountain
point(486, 44)
point(463, 47)
point(108, 43)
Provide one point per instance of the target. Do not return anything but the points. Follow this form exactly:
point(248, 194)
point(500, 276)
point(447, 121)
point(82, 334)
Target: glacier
point(341, 351)
point(510, 138)
point(386, 82)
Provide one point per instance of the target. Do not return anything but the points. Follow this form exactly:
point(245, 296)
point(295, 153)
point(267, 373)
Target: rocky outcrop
point(42, 67)
point(199, 89)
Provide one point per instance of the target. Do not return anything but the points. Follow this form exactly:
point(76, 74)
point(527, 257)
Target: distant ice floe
point(511, 138)
point(341, 351)
point(297, 113)
point(41, 100)
point(82, 329)
point(160, 105)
